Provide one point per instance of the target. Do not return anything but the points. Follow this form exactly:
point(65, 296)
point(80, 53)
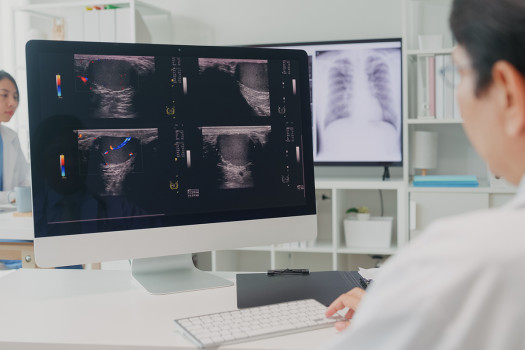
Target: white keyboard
point(248, 324)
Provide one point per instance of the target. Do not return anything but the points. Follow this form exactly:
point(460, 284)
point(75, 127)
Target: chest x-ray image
point(357, 99)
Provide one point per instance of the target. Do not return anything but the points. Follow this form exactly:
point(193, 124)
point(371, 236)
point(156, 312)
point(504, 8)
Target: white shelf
point(367, 251)
point(263, 248)
point(481, 189)
point(318, 247)
point(418, 52)
point(358, 183)
point(417, 121)
point(47, 9)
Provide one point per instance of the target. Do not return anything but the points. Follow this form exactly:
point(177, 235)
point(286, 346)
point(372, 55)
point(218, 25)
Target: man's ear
point(512, 84)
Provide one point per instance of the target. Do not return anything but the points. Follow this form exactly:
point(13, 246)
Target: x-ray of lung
point(358, 105)
point(112, 155)
point(232, 152)
point(112, 82)
point(241, 85)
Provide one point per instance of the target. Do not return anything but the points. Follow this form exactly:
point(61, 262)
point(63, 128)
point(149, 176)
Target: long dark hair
point(490, 31)
point(5, 75)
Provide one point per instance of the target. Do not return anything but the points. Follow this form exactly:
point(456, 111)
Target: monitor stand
point(173, 274)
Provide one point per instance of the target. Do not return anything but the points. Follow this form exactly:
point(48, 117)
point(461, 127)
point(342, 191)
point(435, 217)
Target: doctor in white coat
point(14, 169)
point(460, 285)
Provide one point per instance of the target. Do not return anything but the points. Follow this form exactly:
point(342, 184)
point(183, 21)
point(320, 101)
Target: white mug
point(23, 199)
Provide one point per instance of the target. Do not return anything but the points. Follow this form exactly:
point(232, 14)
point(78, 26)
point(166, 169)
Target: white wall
point(226, 22)
point(240, 22)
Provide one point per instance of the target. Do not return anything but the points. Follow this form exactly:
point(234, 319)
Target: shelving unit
point(456, 156)
point(37, 20)
point(329, 251)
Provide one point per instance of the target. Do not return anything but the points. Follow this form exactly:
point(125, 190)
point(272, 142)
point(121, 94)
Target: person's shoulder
point(481, 233)
point(482, 220)
point(7, 132)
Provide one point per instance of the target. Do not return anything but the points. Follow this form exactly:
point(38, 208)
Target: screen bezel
point(291, 45)
point(244, 218)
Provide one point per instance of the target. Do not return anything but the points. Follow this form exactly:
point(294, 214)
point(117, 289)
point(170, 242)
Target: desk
point(17, 228)
point(99, 309)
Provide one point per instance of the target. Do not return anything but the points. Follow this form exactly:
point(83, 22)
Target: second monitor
point(356, 101)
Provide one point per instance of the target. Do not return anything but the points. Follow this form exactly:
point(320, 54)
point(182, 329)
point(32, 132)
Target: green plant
point(352, 210)
point(360, 210)
point(363, 210)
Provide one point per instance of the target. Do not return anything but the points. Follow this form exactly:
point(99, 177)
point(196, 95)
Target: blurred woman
point(14, 169)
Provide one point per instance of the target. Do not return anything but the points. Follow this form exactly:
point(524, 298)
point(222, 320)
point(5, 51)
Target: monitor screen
point(356, 101)
point(156, 150)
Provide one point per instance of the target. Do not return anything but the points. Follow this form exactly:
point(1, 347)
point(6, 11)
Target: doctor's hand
point(348, 300)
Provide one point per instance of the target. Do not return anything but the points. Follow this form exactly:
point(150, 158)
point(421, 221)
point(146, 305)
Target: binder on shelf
point(107, 25)
point(445, 181)
point(426, 94)
point(457, 113)
point(440, 87)
point(91, 25)
point(123, 33)
point(449, 95)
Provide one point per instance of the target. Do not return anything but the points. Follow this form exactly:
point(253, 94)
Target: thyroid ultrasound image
point(112, 155)
point(113, 83)
point(358, 105)
point(234, 86)
point(231, 154)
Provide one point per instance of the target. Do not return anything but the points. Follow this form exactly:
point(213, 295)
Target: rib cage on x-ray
point(344, 71)
point(381, 86)
point(340, 90)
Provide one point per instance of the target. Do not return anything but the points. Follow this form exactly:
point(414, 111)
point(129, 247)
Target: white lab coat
point(458, 286)
point(16, 169)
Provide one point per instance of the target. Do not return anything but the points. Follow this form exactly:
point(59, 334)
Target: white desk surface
point(16, 227)
point(100, 309)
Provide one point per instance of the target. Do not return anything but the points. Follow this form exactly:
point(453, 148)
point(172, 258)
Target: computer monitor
point(150, 151)
point(356, 101)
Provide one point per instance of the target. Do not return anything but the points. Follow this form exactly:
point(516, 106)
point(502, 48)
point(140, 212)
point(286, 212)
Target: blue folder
point(445, 181)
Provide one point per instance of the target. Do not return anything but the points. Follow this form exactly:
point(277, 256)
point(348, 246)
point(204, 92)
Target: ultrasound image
point(227, 78)
point(233, 152)
point(112, 82)
point(112, 155)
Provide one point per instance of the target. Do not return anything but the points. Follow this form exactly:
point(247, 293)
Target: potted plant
point(361, 213)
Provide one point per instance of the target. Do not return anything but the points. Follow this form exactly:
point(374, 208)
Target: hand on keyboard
point(255, 323)
point(348, 300)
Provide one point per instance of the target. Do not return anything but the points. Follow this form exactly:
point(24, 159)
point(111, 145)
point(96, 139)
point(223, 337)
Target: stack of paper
point(445, 181)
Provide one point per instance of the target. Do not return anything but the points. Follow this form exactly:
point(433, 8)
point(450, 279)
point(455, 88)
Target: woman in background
point(14, 169)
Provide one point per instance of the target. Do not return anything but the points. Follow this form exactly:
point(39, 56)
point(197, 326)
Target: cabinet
point(126, 21)
point(329, 251)
point(425, 19)
point(427, 205)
